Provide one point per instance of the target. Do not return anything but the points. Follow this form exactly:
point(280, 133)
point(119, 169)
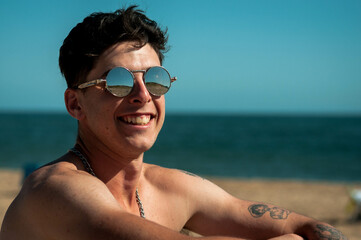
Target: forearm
point(268, 221)
point(287, 222)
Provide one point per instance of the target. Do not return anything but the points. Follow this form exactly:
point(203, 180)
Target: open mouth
point(137, 119)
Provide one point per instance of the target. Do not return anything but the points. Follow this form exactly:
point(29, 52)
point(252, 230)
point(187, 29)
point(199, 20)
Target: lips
point(137, 119)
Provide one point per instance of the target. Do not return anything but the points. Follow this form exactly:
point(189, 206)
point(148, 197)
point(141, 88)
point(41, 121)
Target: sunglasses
point(120, 81)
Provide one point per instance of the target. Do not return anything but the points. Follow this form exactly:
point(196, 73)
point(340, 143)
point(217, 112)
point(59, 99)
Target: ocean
point(241, 146)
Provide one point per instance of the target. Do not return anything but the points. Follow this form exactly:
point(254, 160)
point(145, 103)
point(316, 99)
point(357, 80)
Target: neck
point(122, 175)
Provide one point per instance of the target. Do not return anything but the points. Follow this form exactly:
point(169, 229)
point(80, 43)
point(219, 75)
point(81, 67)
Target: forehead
point(128, 54)
point(125, 54)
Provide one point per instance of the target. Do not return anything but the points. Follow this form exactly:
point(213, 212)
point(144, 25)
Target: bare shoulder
point(194, 196)
point(63, 181)
point(59, 178)
point(49, 197)
point(169, 177)
point(181, 181)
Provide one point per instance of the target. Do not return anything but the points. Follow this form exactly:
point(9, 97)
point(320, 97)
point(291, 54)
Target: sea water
point(278, 147)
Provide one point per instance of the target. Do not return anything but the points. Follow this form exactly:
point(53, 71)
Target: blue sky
point(237, 56)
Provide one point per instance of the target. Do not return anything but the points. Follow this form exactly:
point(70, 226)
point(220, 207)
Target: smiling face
point(128, 125)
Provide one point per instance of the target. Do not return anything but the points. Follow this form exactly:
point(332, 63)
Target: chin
point(141, 146)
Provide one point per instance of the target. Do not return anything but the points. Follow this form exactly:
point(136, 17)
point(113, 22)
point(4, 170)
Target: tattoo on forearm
point(258, 210)
point(329, 233)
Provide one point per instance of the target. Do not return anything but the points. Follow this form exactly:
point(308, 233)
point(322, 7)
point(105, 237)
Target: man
point(101, 189)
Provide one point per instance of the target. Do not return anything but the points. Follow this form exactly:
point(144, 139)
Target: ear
point(71, 98)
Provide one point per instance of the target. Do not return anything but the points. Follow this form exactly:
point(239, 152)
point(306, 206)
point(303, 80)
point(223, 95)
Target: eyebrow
point(111, 67)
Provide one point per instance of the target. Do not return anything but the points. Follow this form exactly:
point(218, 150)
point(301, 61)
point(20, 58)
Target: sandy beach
point(321, 200)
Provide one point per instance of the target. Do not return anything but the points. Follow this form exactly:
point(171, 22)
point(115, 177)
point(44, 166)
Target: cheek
point(160, 104)
point(100, 111)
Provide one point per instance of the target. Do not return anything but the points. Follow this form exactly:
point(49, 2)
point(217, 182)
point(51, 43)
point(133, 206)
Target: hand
point(324, 231)
point(320, 231)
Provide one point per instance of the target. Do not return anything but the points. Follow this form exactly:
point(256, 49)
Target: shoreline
point(324, 200)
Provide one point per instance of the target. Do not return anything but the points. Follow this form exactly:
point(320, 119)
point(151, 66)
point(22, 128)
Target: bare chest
point(168, 210)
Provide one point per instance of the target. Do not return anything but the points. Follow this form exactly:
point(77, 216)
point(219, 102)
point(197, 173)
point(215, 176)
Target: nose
point(139, 93)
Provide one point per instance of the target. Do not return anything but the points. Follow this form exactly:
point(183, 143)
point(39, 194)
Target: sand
point(321, 200)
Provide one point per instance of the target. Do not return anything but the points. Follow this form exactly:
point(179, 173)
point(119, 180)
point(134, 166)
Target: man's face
point(128, 125)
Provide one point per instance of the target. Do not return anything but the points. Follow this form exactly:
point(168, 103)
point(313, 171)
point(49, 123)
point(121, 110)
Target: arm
point(70, 204)
point(73, 205)
point(215, 212)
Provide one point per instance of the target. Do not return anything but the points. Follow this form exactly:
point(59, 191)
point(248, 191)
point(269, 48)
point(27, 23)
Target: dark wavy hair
point(99, 31)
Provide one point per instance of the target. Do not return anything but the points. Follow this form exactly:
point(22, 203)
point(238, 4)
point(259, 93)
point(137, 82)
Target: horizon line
point(208, 112)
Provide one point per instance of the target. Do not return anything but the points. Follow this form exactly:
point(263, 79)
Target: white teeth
point(138, 120)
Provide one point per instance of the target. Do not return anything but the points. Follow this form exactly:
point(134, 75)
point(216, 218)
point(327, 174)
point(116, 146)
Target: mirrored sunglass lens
point(157, 81)
point(119, 82)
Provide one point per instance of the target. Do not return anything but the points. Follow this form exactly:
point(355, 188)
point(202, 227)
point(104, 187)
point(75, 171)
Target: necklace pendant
point(140, 205)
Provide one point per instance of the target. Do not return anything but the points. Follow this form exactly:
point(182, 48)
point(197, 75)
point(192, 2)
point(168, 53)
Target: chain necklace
point(89, 169)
